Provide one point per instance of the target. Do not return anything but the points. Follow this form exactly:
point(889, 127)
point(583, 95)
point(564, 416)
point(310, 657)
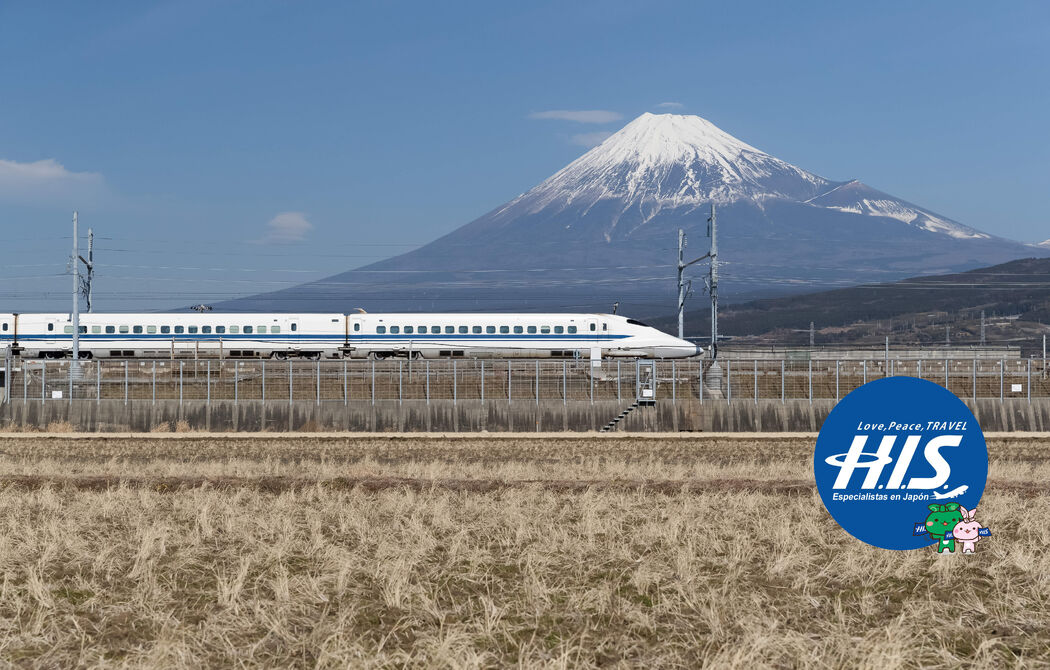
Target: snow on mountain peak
point(669, 138)
point(662, 162)
point(671, 160)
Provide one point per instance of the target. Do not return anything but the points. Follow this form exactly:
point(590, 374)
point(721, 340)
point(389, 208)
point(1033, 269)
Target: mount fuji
point(604, 229)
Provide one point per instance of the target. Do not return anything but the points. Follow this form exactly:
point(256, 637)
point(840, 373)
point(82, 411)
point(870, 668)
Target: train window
point(151, 329)
point(357, 327)
point(490, 329)
point(559, 330)
point(192, 330)
point(277, 329)
point(409, 330)
point(504, 329)
point(50, 326)
point(572, 329)
point(434, 330)
point(165, 329)
point(545, 330)
point(464, 329)
point(206, 330)
point(96, 329)
point(295, 326)
point(123, 329)
point(247, 330)
point(180, 330)
point(422, 330)
point(235, 329)
point(4, 327)
point(605, 326)
point(221, 330)
point(476, 329)
point(532, 329)
point(518, 329)
point(260, 329)
point(450, 329)
point(111, 329)
point(394, 330)
point(83, 329)
point(594, 327)
point(137, 330)
point(68, 330)
point(380, 329)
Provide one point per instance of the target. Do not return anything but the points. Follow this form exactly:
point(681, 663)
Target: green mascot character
point(942, 519)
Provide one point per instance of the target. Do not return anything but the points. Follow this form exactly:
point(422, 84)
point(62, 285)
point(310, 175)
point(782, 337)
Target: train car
point(316, 336)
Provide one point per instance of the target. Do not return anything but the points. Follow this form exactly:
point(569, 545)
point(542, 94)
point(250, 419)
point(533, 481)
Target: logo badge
point(893, 450)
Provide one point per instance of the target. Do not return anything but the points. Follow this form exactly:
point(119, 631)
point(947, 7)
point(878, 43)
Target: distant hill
point(1015, 297)
point(604, 229)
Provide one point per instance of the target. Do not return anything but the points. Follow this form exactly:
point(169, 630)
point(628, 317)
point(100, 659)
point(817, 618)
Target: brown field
point(337, 551)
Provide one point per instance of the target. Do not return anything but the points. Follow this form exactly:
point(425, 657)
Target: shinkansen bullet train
point(316, 336)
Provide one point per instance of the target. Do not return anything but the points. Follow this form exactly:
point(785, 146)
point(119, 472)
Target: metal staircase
point(612, 424)
point(644, 393)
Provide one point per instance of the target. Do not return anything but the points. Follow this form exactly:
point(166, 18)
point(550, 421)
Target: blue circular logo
point(896, 461)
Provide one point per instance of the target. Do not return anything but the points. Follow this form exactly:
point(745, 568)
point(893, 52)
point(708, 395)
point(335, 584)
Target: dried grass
point(64, 427)
point(321, 576)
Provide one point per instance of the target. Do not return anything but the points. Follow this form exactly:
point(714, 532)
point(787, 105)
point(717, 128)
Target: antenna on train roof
point(616, 306)
point(201, 308)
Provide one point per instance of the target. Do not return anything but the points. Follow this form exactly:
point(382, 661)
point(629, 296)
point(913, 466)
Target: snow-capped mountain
point(604, 229)
point(670, 160)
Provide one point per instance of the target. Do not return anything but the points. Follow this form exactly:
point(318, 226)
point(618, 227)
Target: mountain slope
point(860, 198)
point(1019, 289)
point(604, 229)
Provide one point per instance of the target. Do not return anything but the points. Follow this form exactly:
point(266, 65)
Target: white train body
point(234, 335)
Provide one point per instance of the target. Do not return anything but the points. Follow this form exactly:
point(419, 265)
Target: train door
point(355, 328)
point(590, 327)
point(290, 328)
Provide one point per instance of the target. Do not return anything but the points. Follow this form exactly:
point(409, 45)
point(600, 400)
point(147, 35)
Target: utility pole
point(89, 264)
point(712, 232)
point(76, 293)
point(982, 327)
point(810, 334)
point(947, 335)
point(713, 281)
point(681, 283)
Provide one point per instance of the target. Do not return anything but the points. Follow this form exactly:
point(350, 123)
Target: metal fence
point(355, 381)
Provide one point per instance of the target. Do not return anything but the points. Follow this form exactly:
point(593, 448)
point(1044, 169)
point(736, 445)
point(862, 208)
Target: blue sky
point(220, 148)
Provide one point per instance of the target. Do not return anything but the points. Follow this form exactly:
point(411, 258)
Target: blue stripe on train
point(296, 336)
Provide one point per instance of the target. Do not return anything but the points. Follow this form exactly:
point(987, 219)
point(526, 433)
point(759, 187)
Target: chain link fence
point(730, 380)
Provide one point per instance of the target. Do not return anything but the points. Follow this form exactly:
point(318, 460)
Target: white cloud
point(286, 228)
point(47, 180)
point(590, 139)
point(579, 115)
point(670, 105)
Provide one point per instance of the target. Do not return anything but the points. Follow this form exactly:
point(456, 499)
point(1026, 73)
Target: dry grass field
point(336, 551)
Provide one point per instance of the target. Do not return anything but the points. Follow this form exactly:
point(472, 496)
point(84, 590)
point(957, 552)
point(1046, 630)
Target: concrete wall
point(471, 416)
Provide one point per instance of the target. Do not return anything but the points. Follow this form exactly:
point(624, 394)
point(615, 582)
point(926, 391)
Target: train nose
point(677, 349)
